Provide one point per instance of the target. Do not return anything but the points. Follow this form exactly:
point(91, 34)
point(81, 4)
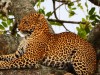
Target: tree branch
point(96, 2)
point(54, 8)
point(66, 1)
point(63, 21)
point(57, 7)
point(66, 28)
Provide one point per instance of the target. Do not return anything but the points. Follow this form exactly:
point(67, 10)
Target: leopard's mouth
point(26, 33)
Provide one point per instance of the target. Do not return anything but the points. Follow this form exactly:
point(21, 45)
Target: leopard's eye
point(25, 22)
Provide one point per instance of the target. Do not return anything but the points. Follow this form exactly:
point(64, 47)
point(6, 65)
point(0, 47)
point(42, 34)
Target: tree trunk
point(94, 39)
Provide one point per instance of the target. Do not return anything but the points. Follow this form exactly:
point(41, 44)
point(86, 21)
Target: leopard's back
point(68, 49)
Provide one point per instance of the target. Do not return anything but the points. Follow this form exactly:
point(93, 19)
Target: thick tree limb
point(94, 39)
point(8, 44)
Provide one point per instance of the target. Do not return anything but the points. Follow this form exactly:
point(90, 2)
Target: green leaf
point(1, 32)
point(86, 4)
point(92, 17)
point(87, 17)
point(39, 3)
point(82, 26)
point(41, 11)
point(81, 32)
point(1, 27)
point(78, 29)
point(73, 8)
point(92, 11)
point(4, 32)
point(42, 0)
point(4, 24)
point(9, 21)
point(4, 18)
point(72, 13)
point(49, 14)
point(70, 4)
point(93, 23)
point(0, 14)
point(80, 6)
point(87, 29)
point(97, 21)
point(83, 20)
point(97, 16)
point(55, 23)
point(10, 28)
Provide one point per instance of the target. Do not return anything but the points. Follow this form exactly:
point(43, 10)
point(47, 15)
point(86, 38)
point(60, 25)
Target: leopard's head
point(28, 23)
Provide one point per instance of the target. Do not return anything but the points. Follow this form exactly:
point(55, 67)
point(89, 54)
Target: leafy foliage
point(71, 9)
point(49, 14)
point(91, 19)
point(94, 18)
point(80, 6)
point(5, 25)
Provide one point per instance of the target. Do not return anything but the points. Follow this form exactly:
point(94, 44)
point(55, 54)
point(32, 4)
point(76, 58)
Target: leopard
point(63, 51)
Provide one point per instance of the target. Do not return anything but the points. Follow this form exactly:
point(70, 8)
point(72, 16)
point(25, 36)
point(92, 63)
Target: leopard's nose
point(31, 30)
point(19, 29)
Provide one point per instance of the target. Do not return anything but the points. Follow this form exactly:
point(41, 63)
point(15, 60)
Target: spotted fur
point(66, 51)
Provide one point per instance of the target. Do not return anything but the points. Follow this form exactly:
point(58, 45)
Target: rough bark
point(42, 71)
point(21, 8)
point(8, 44)
point(94, 39)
